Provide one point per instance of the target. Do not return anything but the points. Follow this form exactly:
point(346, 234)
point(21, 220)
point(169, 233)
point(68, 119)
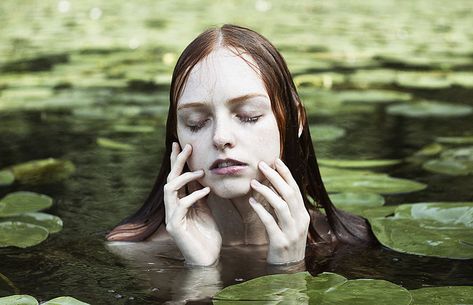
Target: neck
point(237, 221)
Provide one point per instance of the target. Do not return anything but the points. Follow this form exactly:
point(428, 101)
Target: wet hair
point(297, 152)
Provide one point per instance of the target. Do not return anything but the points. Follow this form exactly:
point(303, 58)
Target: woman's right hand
point(189, 220)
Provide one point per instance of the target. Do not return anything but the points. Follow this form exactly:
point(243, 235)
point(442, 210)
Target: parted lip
point(218, 161)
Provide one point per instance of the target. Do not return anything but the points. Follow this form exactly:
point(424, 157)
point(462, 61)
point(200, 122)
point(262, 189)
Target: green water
point(71, 72)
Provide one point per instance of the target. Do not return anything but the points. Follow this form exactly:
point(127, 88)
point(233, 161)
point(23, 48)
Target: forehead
point(221, 76)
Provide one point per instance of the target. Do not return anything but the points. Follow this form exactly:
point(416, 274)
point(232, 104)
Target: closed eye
point(249, 119)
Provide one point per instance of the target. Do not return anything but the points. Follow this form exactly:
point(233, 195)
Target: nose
point(223, 136)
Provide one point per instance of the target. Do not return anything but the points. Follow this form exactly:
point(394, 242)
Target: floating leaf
point(370, 78)
point(429, 109)
point(448, 295)
point(455, 140)
point(22, 235)
point(107, 143)
point(356, 202)
point(455, 161)
point(24, 202)
point(357, 163)
point(52, 223)
point(321, 132)
point(323, 80)
point(133, 128)
point(462, 79)
point(302, 288)
point(64, 301)
point(423, 80)
point(6, 177)
point(380, 184)
point(433, 229)
point(43, 171)
point(430, 150)
point(18, 299)
point(373, 96)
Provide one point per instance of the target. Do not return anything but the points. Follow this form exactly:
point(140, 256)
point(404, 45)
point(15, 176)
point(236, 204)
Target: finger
point(285, 173)
point(279, 205)
point(179, 182)
point(185, 203)
point(281, 186)
point(180, 162)
point(174, 151)
point(267, 219)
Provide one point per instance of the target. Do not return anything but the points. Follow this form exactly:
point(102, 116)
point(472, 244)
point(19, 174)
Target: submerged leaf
point(456, 161)
point(22, 235)
point(24, 202)
point(43, 171)
point(353, 202)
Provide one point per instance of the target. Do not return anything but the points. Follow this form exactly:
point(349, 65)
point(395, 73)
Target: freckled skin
point(213, 81)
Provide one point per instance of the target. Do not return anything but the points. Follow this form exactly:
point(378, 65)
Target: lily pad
point(43, 171)
point(320, 132)
point(18, 299)
point(357, 163)
point(379, 184)
point(320, 80)
point(111, 144)
point(441, 229)
point(430, 150)
point(52, 223)
point(448, 295)
point(429, 109)
point(354, 202)
point(64, 301)
point(302, 288)
point(24, 202)
point(20, 234)
point(455, 140)
point(455, 161)
point(133, 128)
point(423, 80)
point(6, 177)
point(373, 96)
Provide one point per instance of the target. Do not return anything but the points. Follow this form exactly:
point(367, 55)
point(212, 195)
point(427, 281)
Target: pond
point(88, 82)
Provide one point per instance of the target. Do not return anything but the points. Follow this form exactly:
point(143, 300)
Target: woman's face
point(224, 112)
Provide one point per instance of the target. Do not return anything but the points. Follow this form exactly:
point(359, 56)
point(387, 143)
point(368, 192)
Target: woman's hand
point(287, 236)
point(189, 220)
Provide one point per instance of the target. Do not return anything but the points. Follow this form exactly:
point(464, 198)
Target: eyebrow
point(235, 100)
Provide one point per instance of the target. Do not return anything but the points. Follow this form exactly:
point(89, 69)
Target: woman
point(239, 166)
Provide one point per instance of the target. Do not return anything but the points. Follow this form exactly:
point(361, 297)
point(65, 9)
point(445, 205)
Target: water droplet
point(63, 6)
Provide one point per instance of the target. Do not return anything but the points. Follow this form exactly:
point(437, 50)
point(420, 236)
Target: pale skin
point(225, 112)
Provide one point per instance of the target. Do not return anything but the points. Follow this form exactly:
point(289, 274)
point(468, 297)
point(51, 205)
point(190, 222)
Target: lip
point(230, 170)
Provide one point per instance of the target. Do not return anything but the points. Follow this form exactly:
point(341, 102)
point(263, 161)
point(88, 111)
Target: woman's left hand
point(287, 236)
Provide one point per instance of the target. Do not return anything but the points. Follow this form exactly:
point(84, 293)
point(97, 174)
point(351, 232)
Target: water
point(60, 111)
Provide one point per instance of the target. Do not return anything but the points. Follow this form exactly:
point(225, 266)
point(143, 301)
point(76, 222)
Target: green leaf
point(6, 177)
point(64, 301)
point(357, 163)
point(107, 143)
point(24, 202)
point(353, 202)
point(302, 288)
point(133, 128)
point(379, 184)
point(442, 229)
point(455, 140)
point(22, 235)
point(321, 132)
point(18, 299)
point(43, 171)
point(457, 161)
point(429, 109)
point(50, 222)
point(373, 96)
point(448, 295)
point(430, 150)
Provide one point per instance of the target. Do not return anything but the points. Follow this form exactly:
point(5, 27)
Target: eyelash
point(243, 119)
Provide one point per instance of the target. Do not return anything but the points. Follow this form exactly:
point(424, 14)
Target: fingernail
point(200, 171)
point(252, 200)
point(264, 165)
point(254, 183)
point(279, 162)
point(188, 146)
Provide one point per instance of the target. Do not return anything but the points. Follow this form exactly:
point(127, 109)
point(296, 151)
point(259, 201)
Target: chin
point(230, 189)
